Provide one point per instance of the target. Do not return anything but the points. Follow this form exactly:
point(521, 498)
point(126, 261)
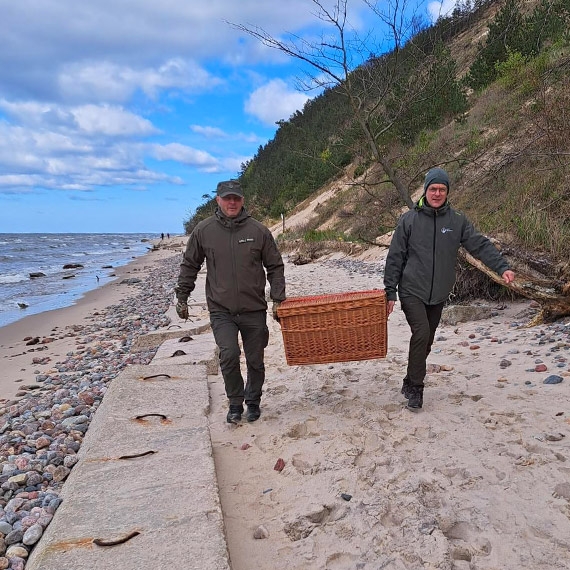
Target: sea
point(23, 254)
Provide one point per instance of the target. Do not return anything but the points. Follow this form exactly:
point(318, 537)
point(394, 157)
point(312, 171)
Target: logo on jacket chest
point(444, 230)
point(246, 240)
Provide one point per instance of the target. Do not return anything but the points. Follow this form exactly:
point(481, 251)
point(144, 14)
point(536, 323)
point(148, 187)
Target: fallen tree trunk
point(553, 295)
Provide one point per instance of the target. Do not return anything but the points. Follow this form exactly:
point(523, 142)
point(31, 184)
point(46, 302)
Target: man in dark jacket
point(420, 267)
point(236, 248)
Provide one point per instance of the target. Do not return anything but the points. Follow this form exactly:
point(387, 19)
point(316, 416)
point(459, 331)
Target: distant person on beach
point(420, 267)
point(167, 236)
point(236, 248)
point(161, 237)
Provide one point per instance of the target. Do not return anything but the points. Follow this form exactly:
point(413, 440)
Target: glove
point(274, 312)
point(182, 309)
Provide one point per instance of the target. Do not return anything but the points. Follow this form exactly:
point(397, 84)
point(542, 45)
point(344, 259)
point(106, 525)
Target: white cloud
point(217, 133)
point(274, 101)
point(113, 121)
point(437, 9)
point(209, 132)
point(88, 119)
point(110, 82)
point(60, 49)
point(185, 155)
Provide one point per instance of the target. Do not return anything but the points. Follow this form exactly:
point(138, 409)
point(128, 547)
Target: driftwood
point(553, 294)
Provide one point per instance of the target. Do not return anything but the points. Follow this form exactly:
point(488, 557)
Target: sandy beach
point(477, 480)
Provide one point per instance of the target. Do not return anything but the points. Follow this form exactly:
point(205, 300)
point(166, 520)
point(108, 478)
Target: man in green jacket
point(420, 267)
point(236, 248)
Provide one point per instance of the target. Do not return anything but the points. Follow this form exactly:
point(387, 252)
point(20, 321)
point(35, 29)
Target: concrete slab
point(144, 481)
point(201, 349)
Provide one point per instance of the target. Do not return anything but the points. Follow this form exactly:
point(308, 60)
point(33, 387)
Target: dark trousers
point(255, 336)
point(423, 320)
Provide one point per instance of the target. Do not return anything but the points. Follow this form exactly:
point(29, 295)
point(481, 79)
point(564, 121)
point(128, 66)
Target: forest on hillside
point(500, 128)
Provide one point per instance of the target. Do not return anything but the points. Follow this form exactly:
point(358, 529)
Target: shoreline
point(15, 355)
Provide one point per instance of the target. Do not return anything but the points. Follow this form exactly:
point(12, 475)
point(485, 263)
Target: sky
point(120, 115)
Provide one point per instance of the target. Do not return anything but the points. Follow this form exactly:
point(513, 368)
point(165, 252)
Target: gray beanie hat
point(436, 176)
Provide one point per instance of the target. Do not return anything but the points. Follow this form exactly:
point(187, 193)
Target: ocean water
point(22, 254)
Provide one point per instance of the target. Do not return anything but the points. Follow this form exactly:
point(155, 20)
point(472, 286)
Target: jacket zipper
point(433, 257)
point(234, 267)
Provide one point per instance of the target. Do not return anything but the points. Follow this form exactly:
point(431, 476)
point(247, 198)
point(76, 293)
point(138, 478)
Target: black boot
point(253, 412)
point(416, 398)
point(234, 414)
point(406, 388)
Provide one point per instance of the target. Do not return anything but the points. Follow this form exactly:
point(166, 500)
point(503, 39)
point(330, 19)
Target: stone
point(553, 379)
point(5, 528)
point(540, 368)
point(18, 479)
point(32, 535)
point(60, 473)
point(260, 532)
point(14, 537)
point(4, 563)
point(18, 551)
point(42, 442)
point(462, 313)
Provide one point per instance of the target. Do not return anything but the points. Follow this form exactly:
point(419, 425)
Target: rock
point(463, 313)
point(505, 363)
point(17, 563)
point(553, 379)
point(279, 465)
point(32, 535)
point(345, 496)
point(37, 274)
point(130, 281)
point(4, 563)
point(33, 341)
point(14, 537)
point(18, 551)
point(68, 276)
point(260, 532)
point(42, 442)
point(73, 266)
point(245, 446)
point(60, 473)
point(5, 528)
point(18, 479)
point(540, 368)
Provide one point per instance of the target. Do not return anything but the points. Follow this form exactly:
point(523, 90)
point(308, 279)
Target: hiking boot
point(406, 388)
point(253, 412)
point(234, 414)
point(416, 398)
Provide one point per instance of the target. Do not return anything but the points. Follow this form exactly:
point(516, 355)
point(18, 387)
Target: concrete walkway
point(144, 493)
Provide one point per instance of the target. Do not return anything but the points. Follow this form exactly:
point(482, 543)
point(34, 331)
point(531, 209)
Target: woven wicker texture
point(334, 328)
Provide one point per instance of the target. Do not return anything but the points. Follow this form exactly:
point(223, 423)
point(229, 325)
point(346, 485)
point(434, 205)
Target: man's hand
point(508, 276)
point(391, 307)
point(274, 312)
point(182, 309)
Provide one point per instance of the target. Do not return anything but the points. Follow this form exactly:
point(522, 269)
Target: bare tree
point(332, 60)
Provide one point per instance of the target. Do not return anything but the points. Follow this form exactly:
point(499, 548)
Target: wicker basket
point(334, 328)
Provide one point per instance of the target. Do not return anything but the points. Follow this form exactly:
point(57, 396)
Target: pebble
point(16, 551)
point(33, 534)
point(260, 532)
point(553, 379)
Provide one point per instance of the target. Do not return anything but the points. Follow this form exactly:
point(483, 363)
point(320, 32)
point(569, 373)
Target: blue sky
point(118, 115)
